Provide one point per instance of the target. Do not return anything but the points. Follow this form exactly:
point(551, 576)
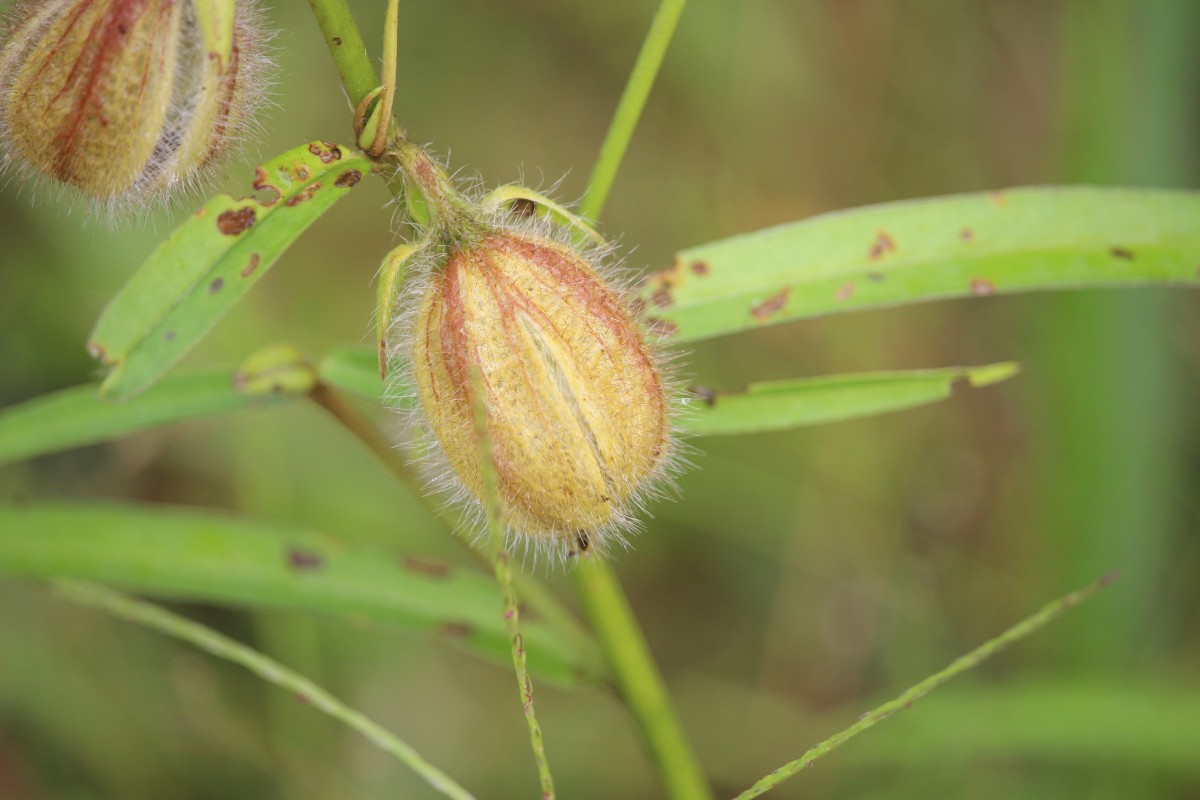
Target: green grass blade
point(76, 417)
point(268, 669)
point(1048, 613)
point(208, 557)
point(210, 261)
point(915, 251)
point(779, 405)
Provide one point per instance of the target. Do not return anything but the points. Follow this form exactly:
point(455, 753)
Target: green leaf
point(898, 253)
point(778, 405)
point(192, 555)
point(210, 261)
point(76, 417)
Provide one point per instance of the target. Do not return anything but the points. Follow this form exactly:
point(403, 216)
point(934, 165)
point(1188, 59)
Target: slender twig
point(1025, 627)
point(163, 621)
point(503, 568)
point(367, 432)
point(390, 44)
point(629, 108)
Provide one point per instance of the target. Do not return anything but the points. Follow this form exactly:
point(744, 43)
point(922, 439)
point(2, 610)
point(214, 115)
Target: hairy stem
point(504, 576)
point(629, 108)
point(1046, 615)
point(272, 671)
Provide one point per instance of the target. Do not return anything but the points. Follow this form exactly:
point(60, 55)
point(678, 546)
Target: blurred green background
point(800, 578)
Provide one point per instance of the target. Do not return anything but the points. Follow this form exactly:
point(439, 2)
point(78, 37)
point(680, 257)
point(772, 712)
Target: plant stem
point(367, 432)
point(163, 621)
point(1046, 615)
point(608, 610)
point(346, 46)
point(504, 576)
point(639, 680)
point(629, 108)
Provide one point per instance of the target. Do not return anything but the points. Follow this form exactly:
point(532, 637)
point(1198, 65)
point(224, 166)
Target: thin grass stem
point(502, 566)
point(163, 621)
point(629, 107)
point(1048, 613)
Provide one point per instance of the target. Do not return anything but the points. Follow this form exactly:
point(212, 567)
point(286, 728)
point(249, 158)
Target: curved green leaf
point(193, 555)
point(968, 245)
point(779, 405)
point(210, 261)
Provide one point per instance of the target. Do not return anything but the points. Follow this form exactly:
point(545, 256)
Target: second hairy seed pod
point(577, 412)
point(126, 100)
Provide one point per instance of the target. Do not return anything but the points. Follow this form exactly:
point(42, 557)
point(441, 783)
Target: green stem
point(1046, 615)
point(639, 680)
point(346, 46)
point(629, 108)
point(272, 671)
point(608, 610)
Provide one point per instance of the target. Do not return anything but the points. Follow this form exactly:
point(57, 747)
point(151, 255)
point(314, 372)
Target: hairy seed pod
point(126, 100)
point(576, 407)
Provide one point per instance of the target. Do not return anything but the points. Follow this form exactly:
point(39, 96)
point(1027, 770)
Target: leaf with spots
point(210, 261)
point(214, 558)
point(969, 245)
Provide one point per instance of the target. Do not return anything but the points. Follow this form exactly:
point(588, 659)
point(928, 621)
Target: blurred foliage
point(801, 576)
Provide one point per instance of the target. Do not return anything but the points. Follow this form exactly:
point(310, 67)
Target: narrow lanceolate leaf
point(77, 416)
point(768, 406)
point(969, 245)
point(210, 261)
point(779, 405)
point(207, 557)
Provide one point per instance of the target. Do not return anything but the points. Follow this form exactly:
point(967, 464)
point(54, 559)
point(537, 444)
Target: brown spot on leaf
point(327, 152)
point(97, 351)
point(433, 569)
point(771, 306)
point(997, 197)
point(216, 285)
point(700, 268)
point(454, 630)
point(303, 196)
point(967, 235)
point(876, 276)
point(982, 287)
point(301, 171)
point(251, 265)
point(882, 245)
point(347, 179)
point(847, 291)
point(663, 328)
point(706, 395)
point(337, 41)
point(1122, 252)
point(302, 560)
point(169, 336)
point(261, 184)
point(662, 297)
point(236, 220)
